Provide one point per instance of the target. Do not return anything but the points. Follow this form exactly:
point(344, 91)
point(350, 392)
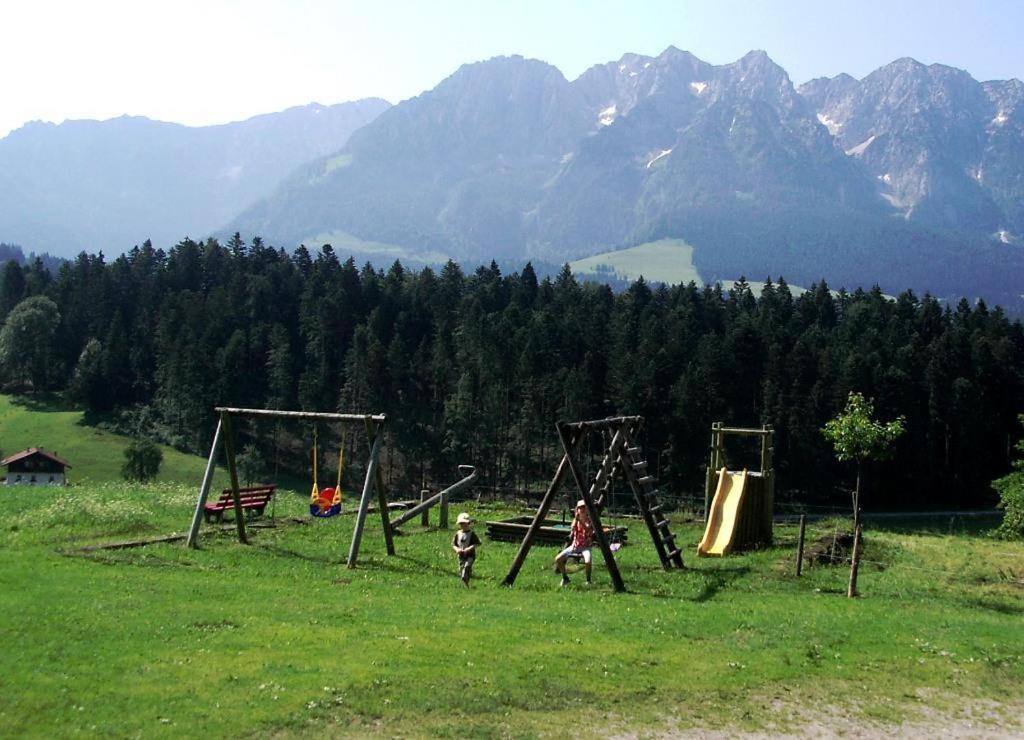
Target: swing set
point(326, 503)
point(622, 456)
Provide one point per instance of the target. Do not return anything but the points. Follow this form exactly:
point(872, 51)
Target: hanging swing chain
point(341, 459)
point(316, 445)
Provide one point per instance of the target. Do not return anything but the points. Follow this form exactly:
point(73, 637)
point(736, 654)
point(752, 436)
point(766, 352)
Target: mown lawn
point(279, 638)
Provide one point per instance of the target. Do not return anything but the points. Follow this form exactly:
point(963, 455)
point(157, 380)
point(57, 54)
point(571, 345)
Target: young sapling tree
point(858, 437)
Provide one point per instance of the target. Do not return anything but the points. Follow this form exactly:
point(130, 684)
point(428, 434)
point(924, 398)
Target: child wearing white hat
point(464, 543)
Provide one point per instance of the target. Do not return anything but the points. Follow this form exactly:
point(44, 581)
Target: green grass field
point(666, 261)
point(95, 455)
point(279, 639)
point(382, 254)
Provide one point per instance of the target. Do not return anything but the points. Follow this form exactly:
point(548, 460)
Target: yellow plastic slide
point(721, 528)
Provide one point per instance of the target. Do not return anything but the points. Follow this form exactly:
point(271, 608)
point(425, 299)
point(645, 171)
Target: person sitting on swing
point(582, 533)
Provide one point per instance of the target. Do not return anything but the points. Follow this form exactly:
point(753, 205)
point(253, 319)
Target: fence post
point(425, 516)
point(800, 546)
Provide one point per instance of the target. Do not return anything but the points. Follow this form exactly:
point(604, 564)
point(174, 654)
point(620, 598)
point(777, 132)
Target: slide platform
point(720, 533)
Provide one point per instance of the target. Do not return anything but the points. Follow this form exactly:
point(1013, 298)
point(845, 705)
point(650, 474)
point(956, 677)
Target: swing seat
point(327, 504)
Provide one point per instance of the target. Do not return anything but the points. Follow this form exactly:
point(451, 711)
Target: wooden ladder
point(642, 483)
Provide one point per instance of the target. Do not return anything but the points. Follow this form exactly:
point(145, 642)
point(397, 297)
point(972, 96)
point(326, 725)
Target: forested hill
point(475, 368)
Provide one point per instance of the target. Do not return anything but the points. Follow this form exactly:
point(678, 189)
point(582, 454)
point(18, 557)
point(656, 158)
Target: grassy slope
point(280, 638)
point(94, 454)
point(666, 260)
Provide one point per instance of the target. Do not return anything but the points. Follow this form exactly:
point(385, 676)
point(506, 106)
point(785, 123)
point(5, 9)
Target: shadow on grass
point(279, 551)
point(966, 523)
point(42, 401)
point(389, 565)
point(994, 606)
point(716, 580)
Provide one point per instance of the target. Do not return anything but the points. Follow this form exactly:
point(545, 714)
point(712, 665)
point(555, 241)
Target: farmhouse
point(35, 467)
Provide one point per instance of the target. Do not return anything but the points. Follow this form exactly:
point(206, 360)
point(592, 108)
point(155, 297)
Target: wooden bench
point(254, 501)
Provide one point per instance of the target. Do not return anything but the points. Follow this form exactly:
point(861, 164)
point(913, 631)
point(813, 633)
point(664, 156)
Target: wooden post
point(595, 518)
point(851, 592)
point(542, 512)
point(364, 503)
point(442, 512)
point(229, 452)
point(204, 490)
point(425, 516)
point(800, 546)
point(373, 431)
point(713, 466)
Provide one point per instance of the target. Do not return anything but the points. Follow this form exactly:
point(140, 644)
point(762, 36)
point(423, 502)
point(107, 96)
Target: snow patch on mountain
point(859, 150)
point(832, 126)
point(607, 116)
point(698, 87)
point(664, 153)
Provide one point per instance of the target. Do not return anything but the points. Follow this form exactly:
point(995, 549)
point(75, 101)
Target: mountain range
point(910, 177)
point(107, 185)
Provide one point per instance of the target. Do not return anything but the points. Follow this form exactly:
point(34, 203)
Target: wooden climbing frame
point(622, 455)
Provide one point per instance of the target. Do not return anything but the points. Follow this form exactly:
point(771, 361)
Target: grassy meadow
point(95, 455)
point(665, 260)
point(279, 638)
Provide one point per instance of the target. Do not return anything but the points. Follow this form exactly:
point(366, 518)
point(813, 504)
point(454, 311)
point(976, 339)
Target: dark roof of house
point(34, 451)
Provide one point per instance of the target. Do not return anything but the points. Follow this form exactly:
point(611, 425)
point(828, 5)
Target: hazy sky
point(220, 60)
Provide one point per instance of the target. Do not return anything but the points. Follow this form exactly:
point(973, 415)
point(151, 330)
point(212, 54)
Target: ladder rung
point(645, 480)
point(632, 450)
point(655, 509)
point(662, 523)
point(640, 465)
point(670, 555)
point(652, 494)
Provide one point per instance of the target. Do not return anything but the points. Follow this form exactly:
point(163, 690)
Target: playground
point(211, 607)
point(280, 637)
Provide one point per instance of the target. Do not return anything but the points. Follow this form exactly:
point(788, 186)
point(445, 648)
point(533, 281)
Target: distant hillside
point(910, 177)
point(12, 252)
point(106, 185)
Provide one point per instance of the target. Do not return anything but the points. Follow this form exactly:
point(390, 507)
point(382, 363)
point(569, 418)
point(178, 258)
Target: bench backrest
point(254, 493)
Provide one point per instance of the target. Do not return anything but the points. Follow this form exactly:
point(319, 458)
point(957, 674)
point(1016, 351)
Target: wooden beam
point(364, 502)
point(204, 490)
point(229, 452)
point(470, 475)
point(612, 422)
point(595, 518)
point(542, 512)
point(378, 418)
point(744, 432)
point(373, 431)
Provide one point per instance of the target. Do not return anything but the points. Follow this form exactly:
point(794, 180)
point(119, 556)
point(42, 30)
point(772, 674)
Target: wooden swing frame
point(374, 425)
point(618, 457)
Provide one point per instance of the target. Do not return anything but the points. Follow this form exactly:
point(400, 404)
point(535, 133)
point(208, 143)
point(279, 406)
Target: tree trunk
point(856, 499)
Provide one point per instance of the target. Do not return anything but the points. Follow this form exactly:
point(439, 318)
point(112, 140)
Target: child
point(582, 540)
point(464, 543)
